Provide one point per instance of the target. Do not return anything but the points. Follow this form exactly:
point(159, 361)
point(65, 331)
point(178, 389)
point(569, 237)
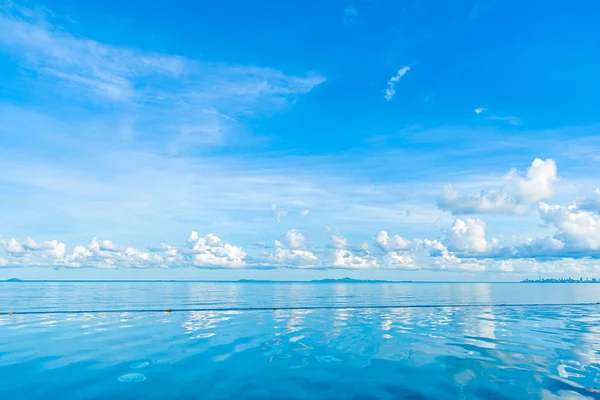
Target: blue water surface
point(305, 341)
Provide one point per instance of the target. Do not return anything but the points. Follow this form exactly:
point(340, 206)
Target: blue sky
point(299, 140)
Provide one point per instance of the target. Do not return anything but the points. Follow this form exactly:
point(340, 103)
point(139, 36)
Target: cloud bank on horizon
point(463, 246)
point(116, 146)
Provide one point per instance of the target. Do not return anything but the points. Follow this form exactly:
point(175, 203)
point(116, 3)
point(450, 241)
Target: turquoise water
point(305, 341)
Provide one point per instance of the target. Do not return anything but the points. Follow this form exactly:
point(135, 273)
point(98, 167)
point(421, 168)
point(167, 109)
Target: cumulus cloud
point(338, 242)
point(52, 249)
point(292, 257)
point(400, 260)
point(482, 203)
point(426, 254)
point(515, 198)
point(12, 246)
point(464, 248)
point(391, 85)
point(536, 248)
point(294, 239)
point(203, 252)
point(348, 259)
point(579, 229)
point(538, 183)
point(479, 110)
point(391, 243)
point(209, 251)
point(436, 249)
point(590, 203)
point(468, 235)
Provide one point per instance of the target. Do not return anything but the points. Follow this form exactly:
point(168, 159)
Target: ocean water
point(116, 340)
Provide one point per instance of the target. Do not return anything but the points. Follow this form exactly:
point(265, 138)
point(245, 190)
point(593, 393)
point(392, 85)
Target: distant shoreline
point(314, 281)
point(564, 280)
point(250, 281)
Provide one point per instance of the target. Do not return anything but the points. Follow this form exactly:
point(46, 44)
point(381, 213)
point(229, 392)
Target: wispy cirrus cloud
point(390, 92)
point(350, 15)
point(509, 120)
point(104, 70)
point(189, 103)
point(122, 74)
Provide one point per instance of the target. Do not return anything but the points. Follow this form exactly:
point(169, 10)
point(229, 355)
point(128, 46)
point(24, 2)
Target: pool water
point(354, 350)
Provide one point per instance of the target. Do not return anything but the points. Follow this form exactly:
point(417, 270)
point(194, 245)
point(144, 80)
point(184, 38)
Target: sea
point(286, 340)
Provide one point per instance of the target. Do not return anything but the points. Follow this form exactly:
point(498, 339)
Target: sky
point(411, 140)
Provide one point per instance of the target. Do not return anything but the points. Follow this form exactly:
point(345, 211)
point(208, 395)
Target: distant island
point(561, 280)
point(13, 280)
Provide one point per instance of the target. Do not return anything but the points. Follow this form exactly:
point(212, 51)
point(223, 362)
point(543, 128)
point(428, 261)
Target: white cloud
point(508, 120)
point(290, 257)
point(278, 213)
point(578, 229)
point(102, 248)
point(428, 254)
point(401, 260)
point(80, 255)
point(53, 249)
point(144, 258)
point(538, 184)
point(536, 248)
point(437, 250)
point(304, 213)
point(468, 235)
point(209, 251)
point(12, 246)
point(483, 203)
point(590, 203)
point(49, 249)
point(391, 85)
point(338, 242)
point(294, 239)
point(519, 192)
point(479, 110)
point(348, 259)
point(202, 252)
point(574, 248)
point(391, 243)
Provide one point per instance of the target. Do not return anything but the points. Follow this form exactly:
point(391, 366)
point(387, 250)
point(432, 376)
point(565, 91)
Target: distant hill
point(13, 280)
